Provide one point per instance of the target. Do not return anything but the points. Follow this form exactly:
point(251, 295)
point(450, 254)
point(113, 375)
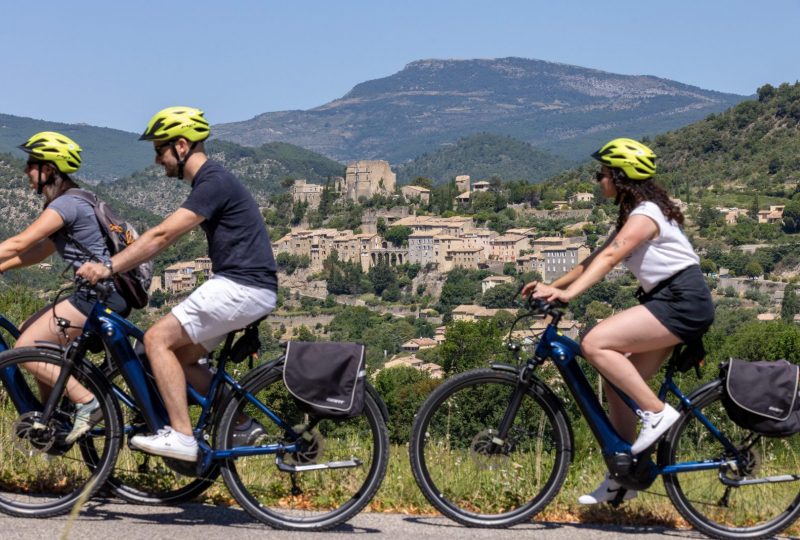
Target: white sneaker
point(606, 492)
point(654, 425)
point(168, 443)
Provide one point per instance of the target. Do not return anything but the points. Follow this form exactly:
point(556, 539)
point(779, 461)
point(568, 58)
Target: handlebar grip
point(103, 288)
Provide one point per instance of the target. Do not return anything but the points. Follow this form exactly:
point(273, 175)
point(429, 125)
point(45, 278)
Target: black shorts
point(84, 300)
point(682, 303)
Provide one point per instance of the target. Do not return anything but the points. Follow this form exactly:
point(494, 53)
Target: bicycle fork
point(524, 378)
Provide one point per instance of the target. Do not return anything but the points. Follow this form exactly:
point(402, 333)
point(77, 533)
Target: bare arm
point(12, 250)
point(572, 275)
point(39, 252)
point(147, 246)
point(637, 230)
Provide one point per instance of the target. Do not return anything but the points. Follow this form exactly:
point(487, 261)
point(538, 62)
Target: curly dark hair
point(631, 193)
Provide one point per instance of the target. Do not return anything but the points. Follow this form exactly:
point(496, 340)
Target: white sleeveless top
point(663, 256)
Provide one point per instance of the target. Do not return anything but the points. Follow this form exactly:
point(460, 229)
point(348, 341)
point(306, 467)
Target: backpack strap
point(91, 198)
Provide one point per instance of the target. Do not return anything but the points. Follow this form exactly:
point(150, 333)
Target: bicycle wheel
point(701, 497)
point(312, 499)
point(41, 475)
point(465, 473)
point(142, 478)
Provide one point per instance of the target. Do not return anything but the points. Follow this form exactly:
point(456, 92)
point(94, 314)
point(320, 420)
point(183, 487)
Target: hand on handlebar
point(542, 291)
point(551, 294)
point(103, 287)
point(93, 272)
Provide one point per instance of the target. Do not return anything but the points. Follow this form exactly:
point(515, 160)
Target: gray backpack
point(134, 284)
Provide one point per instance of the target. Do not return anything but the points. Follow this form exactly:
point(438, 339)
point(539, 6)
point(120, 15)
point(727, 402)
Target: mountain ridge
point(557, 107)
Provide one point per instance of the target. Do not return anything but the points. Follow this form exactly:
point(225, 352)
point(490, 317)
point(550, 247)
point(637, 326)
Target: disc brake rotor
point(751, 464)
point(31, 440)
point(311, 448)
point(485, 451)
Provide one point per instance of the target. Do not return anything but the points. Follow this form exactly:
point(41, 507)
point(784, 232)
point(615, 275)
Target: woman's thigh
point(42, 325)
point(634, 330)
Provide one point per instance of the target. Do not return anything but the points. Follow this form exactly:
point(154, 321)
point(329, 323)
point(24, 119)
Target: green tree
point(764, 341)
point(753, 269)
point(403, 389)
point(421, 181)
point(381, 276)
point(598, 310)
point(381, 227)
point(398, 235)
point(754, 208)
point(708, 266)
point(499, 296)
point(791, 304)
point(304, 334)
point(468, 345)
point(791, 216)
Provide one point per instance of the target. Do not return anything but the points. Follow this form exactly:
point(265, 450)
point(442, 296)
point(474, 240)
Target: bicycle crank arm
point(766, 480)
point(285, 467)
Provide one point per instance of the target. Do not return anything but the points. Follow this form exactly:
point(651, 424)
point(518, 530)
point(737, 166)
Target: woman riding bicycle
point(676, 305)
point(67, 225)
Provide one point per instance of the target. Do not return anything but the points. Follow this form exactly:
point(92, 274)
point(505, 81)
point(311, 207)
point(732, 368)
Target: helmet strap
point(39, 183)
point(182, 162)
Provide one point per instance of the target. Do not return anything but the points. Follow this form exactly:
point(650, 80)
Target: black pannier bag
point(327, 379)
point(762, 396)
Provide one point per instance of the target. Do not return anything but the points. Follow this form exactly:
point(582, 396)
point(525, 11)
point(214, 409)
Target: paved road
point(104, 520)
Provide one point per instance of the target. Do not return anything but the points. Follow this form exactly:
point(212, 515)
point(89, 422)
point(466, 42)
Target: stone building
point(302, 191)
point(463, 183)
point(367, 178)
point(462, 256)
point(182, 276)
point(508, 247)
point(560, 260)
point(413, 193)
point(493, 281)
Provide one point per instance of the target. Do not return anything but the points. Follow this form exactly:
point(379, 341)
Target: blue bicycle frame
point(564, 352)
point(12, 379)
point(115, 332)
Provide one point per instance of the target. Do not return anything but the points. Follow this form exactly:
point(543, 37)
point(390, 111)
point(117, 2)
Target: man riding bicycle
point(242, 290)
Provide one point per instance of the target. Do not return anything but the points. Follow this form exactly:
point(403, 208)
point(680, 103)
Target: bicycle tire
point(327, 497)
point(454, 455)
point(142, 478)
point(751, 511)
point(40, 475)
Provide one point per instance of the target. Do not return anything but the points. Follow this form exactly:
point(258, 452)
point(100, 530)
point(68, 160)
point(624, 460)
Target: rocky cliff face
point(430, 102)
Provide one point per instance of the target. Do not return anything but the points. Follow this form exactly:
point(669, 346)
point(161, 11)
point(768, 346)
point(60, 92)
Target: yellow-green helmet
point(634, 158)
point(174, 122)
point(55, 148)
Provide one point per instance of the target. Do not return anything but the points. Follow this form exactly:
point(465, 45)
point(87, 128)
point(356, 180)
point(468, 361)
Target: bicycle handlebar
point(103, 288)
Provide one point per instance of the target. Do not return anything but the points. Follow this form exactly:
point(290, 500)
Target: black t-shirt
point(238, 242)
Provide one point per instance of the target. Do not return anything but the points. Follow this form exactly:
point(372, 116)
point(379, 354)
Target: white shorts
point(220, 306)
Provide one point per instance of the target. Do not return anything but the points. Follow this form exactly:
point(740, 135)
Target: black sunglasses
point(599, 175)
point(160, 148)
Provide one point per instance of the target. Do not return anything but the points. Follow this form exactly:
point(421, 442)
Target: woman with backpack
point(676, 307)
point(67, 225)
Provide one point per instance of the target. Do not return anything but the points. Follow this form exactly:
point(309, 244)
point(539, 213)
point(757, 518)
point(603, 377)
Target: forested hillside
point(261, 169)
point(483, 156)
point(749, 151)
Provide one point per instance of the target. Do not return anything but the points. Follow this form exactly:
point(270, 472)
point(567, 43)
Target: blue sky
point(116, 63)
